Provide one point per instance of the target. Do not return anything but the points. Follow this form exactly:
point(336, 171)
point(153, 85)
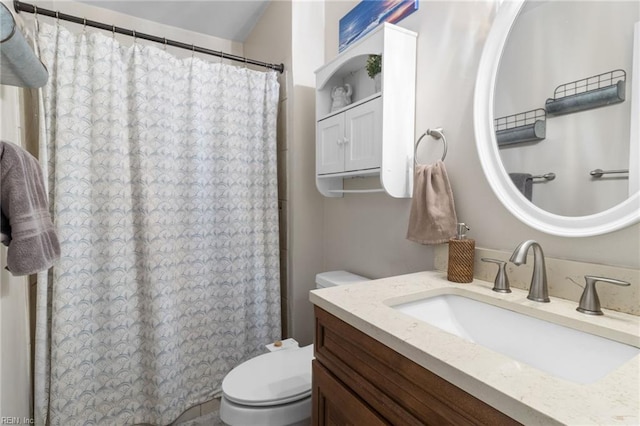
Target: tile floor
point(205, 414)
point(211, 419)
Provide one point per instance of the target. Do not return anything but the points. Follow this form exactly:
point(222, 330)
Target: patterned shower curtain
point(162, 184)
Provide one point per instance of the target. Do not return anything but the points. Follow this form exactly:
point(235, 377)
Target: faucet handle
point(501, 283)
point(589, 302)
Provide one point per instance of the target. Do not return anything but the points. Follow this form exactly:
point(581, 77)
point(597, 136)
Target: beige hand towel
point(33, 244)
point(433, 215)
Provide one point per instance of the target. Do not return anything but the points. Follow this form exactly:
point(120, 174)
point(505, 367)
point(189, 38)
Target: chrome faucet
point(538, 290)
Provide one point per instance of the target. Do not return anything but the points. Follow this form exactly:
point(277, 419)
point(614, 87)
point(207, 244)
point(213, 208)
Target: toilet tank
point(333, 278)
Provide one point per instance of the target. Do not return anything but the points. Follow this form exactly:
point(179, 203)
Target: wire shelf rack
point(523, 127)
point(589, 84)
point(592, 92)
point(518, 120)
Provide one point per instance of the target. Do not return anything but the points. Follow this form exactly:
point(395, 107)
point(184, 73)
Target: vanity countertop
point(520, 391)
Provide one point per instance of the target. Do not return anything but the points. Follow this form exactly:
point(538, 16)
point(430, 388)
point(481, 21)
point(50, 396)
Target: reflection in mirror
point(619, 216)
point(585, 45)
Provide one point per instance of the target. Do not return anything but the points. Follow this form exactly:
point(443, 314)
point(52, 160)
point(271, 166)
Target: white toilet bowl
point(270, 389)
point(274, 389)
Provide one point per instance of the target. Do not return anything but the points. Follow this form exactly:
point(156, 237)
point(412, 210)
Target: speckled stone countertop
point(517, 389)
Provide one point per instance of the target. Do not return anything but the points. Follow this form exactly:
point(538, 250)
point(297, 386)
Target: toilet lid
point(274, 378)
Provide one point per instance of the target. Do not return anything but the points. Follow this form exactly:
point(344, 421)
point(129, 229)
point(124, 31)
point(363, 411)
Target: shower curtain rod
point(30, 8)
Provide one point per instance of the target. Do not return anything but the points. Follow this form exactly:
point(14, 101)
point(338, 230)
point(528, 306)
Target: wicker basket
point(461, 254)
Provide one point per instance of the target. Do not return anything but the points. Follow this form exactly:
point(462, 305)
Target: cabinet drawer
point(401, 391)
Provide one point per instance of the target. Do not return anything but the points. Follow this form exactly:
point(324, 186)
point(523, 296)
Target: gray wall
point(365, 233)
point(292, 31)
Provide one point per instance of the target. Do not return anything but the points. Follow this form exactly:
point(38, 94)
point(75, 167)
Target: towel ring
point(436, 134)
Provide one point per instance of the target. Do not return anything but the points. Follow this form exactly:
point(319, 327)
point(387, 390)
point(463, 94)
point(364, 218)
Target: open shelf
point(588, 93)
point(529, 126)
point(351, 105)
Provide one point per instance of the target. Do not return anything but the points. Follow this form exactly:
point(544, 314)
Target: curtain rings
point(113, 31)
point(221, 56)
point(57, 18)
point(193, 51)
point(165, 44)
point(84, 25)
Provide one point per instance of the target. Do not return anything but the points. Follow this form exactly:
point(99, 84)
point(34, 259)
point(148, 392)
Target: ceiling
point(228, 19)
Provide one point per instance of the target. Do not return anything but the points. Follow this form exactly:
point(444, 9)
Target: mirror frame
point(624, 214)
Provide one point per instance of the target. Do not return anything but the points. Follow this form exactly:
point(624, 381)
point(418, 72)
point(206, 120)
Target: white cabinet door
point(329, 145)
point(363, 144)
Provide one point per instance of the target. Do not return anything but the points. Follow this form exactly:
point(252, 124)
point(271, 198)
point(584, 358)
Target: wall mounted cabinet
point(374, 134)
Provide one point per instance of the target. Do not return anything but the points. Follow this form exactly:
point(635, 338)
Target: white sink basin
point(555, 349)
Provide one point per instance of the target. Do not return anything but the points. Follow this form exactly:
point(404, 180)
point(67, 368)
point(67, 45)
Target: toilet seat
point(274, 378)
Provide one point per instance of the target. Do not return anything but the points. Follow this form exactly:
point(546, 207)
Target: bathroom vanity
point(358, 380)
point(377, 365)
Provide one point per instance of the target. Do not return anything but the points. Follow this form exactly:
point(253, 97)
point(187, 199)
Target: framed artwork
point(368, 14)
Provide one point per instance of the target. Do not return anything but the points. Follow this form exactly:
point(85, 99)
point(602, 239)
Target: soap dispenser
point(461, 254)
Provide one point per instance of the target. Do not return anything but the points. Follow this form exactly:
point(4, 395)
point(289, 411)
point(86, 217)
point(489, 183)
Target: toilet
point(274, 389)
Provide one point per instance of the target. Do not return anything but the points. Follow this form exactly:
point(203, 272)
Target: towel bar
point(597, 173)
point(355, 191)
point(436, 133)
point(546, 176)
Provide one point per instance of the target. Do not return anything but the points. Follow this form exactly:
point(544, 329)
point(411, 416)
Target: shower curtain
point(162, 185)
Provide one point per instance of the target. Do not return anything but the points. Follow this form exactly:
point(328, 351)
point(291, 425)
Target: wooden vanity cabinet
point(359, 381)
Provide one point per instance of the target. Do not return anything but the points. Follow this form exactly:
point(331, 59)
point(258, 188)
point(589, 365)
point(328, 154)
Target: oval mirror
point(551, 162)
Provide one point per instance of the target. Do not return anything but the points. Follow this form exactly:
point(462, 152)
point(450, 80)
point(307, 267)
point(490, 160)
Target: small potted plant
point(374, 67)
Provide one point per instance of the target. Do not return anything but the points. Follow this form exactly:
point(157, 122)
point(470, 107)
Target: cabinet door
point(329, 145)
point(335, 405)
point(394, 388)
point(363, 144)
